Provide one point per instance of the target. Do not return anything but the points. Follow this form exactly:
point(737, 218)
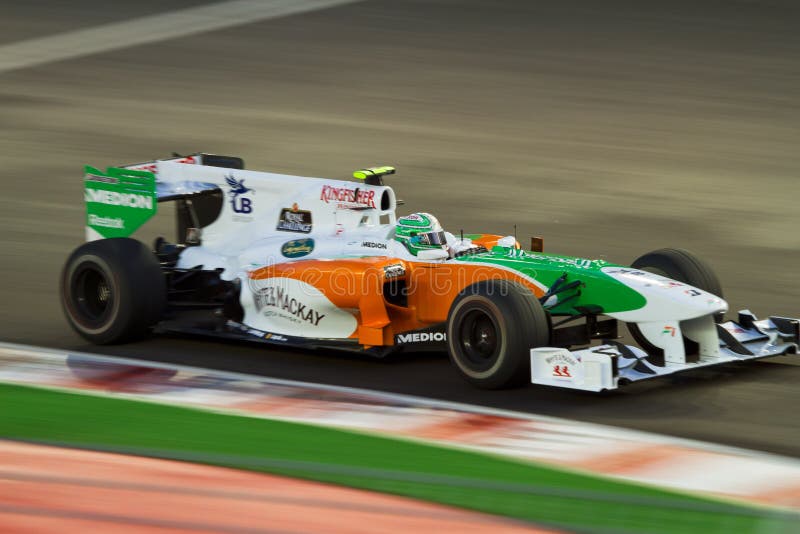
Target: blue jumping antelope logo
point(238, 203)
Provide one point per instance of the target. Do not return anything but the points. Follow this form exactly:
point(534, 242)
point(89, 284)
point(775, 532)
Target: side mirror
point(433, 254)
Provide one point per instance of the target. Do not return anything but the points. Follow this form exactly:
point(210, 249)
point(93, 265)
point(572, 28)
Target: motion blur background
point(611, 128)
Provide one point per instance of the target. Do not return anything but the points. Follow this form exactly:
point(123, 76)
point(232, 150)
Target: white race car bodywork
point(320, 218)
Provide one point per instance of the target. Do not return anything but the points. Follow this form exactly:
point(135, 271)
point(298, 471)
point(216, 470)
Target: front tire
point(682, 266)
point(491, 327)
point(112, 290)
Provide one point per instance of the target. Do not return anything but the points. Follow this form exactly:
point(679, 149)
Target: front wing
point(609, 365)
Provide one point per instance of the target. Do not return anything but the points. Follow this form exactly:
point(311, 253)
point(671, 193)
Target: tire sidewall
point(136, 283)
point(520, 322)
point(68, 298)
point(459, 311)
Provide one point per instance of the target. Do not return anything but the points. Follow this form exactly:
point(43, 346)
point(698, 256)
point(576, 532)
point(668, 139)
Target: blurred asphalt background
point(611, 128)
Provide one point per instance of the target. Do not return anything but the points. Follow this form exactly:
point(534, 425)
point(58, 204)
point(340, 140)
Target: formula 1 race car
point(323, 263)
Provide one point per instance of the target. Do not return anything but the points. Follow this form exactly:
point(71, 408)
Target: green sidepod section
point(593, 287)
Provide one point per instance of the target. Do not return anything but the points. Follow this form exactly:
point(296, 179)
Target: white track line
point(598, 428)
point(150, 29)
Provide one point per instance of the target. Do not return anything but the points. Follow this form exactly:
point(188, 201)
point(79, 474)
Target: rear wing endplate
point(118, 201)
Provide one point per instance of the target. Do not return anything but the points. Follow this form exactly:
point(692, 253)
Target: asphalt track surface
point(610, 128)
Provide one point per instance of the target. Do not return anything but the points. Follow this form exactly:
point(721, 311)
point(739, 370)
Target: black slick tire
point(491, 327)
point(112, 290)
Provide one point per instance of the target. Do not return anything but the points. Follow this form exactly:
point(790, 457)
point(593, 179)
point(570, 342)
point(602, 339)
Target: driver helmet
point(420, 231)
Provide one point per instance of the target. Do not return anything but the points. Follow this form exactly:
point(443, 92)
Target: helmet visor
point(432, 238)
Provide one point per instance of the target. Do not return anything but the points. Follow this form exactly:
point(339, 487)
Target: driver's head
point(420, 231)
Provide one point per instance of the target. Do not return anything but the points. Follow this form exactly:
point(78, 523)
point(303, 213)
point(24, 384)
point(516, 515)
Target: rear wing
point(200, 158)
point(121, 199)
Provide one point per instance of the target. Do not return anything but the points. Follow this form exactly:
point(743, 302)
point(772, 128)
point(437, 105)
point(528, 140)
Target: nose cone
point(667, 299)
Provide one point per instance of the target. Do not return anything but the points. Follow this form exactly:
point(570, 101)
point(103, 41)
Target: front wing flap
point(609, 365)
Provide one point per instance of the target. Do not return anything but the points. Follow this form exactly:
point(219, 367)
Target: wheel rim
point(91, 295)
point(478, 339)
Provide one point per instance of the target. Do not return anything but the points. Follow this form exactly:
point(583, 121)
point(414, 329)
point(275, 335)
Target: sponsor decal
point(297, 248)
point(290, 307)
point(285, 305)
point(561, 364)
point(373, 244)
point(346, 197)
point(561, 359)
point(561, 371)
point(669, 330)
point(671, 284)
point(420, 337)
point(394, 271)
point(106, 222)
point(103, 179)
point(255, 332)
point(115, 198)
point(625, 271)
point(692, 292)
point(294, 220)
point(579, 263)
point(117, 203)
point(240, 203)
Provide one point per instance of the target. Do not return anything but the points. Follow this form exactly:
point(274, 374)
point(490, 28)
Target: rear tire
point(682, 266)
point(491, 327)
point(113, 290)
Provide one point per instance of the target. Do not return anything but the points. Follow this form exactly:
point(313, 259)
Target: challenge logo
point(297, 248)
point(114, 198)
point(239, 203)
point(278, 297)
point(420, 337)
point(348, 198)
point(294, 220)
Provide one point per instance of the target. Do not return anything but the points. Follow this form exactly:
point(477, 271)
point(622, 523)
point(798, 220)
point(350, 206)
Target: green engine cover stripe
point(598, 289)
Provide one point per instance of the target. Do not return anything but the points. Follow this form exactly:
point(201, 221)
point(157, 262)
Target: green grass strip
point(470, 480)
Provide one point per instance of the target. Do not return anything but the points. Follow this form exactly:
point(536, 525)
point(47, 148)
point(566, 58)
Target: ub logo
point(239, 203)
